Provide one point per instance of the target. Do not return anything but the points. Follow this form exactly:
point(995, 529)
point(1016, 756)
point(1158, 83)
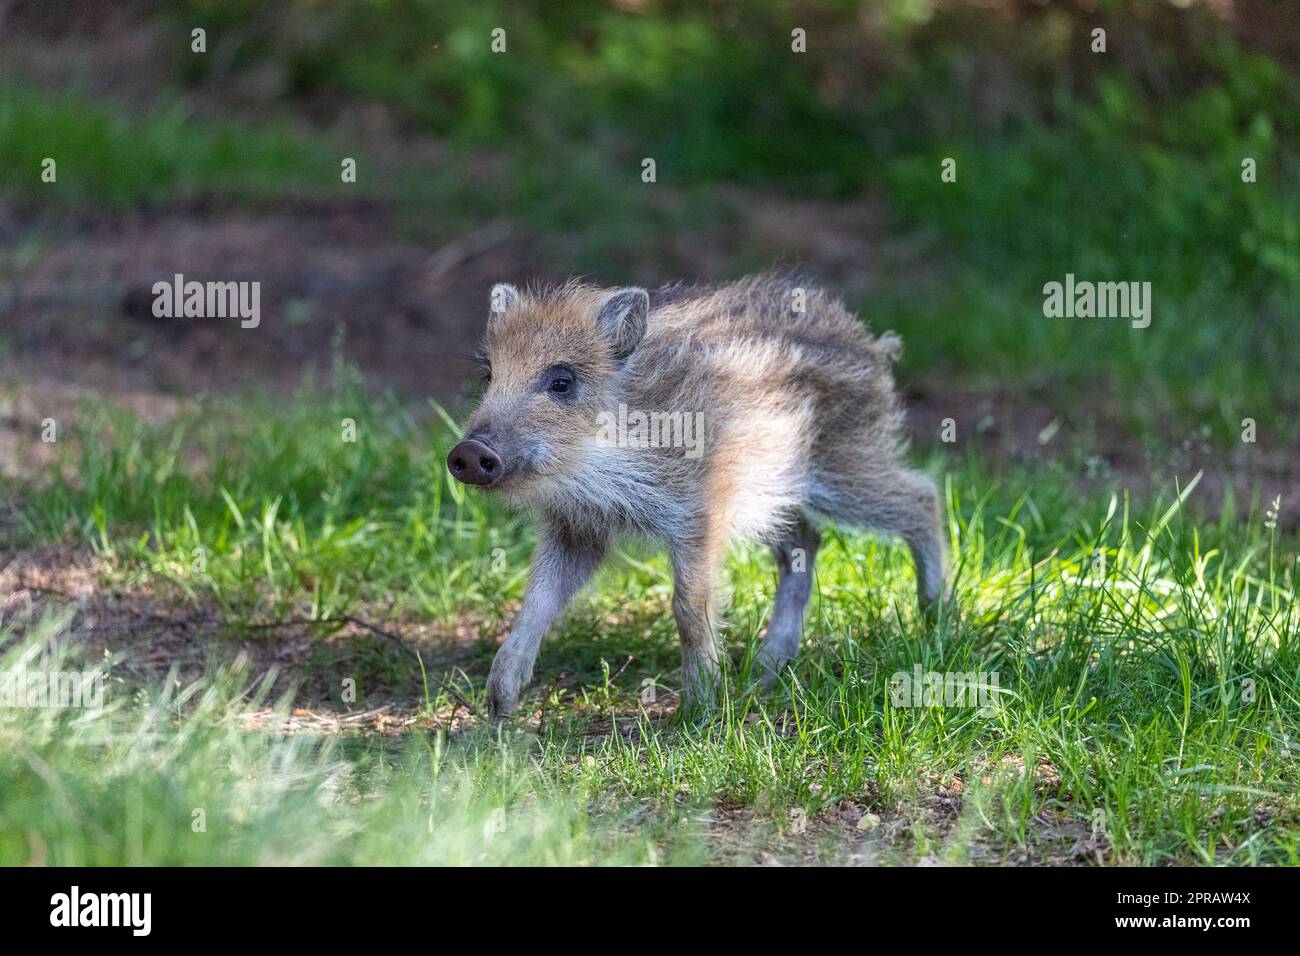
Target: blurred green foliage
point(105, 158)
point(1127, 160)
point(1124, 165)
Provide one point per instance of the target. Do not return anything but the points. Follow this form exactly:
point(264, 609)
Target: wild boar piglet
point(694, 416)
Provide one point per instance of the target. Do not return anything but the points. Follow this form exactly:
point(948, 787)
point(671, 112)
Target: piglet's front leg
point(562, 564)
point(696, 563)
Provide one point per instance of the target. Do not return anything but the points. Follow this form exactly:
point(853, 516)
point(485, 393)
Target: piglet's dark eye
point(559, 381)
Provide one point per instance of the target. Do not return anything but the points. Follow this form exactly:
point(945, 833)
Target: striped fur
point(801, 423)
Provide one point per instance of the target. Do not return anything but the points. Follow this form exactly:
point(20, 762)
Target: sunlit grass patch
point(1147, 677)
point(173, 775)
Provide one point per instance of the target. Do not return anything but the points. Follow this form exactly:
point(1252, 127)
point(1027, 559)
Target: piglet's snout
point(474, 463)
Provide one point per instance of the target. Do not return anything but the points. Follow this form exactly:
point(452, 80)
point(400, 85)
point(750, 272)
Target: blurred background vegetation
point(1122, 165)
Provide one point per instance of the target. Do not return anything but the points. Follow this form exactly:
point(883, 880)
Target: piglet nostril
point(458, 464)
point(487, 464)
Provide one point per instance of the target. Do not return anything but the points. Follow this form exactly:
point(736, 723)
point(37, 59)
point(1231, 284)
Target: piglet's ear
point(503, 298)
point(623, 319)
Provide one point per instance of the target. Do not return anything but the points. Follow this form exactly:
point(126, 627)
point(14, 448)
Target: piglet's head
point(548, 362)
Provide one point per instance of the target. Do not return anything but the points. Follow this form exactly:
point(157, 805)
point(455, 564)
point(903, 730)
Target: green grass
point(174, 777)
point(1148, 660)
point(117, 157)
point(110, 156)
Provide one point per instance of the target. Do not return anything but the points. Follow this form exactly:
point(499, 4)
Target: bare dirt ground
point(331, 278)
point(146, 635)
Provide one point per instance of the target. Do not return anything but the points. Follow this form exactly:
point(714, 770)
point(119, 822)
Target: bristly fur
point(801, 422)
